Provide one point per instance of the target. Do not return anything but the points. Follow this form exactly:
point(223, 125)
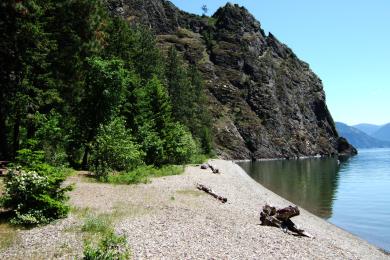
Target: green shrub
point(180, 146)
point(53, 148)
point(30, 156)
point(114, 149)
point(34, 198)
point(152, 145)
point(111, 246)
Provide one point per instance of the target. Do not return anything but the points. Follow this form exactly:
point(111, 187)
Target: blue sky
point(346, 43)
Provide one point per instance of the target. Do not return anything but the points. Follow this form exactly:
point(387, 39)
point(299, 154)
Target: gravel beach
point(170, 219)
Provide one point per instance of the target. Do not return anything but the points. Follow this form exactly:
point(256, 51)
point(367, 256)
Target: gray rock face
point(264, 101)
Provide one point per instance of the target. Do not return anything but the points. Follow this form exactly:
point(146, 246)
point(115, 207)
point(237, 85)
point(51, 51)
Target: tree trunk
point(84, 164)
point(3, 136)
point(16, 136)
point(30, 129)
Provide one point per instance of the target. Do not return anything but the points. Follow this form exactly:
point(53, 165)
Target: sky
point(346, 43)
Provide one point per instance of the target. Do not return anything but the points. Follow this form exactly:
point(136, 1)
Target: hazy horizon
point(345, 43)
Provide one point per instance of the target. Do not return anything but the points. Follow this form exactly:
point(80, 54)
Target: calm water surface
point(354, 195)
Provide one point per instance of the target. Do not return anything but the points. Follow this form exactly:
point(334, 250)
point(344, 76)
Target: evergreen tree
point(146, 57)
point(28, 82)
point(153, 118)
point(188, 99)
point(7, 69)
point(102, 96)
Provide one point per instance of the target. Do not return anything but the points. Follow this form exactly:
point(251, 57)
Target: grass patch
point(110, 246)
point(143, 174)
point(122, 211)
point(190, 192)
point(98, 224)
point(8, 236)
point(100, 240)
point(80, 212)
point(199, 159)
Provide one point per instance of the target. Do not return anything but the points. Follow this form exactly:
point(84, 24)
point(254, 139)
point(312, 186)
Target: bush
point(34, 198)
point(180, 146)
point(114, 149)
point(53, 148)
point(152, 145)
point(30, 156)
point(110, 247)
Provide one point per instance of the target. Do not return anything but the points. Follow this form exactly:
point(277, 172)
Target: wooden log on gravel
point(211, 192)
point(270, 216)
point(213, 169)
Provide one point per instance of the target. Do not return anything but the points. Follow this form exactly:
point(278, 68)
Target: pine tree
point(102, 96)
point(153, 119)
point(7, 68)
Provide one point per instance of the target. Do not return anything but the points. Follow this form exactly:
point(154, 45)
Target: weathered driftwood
point(270, 216)
point(211, 192)
point(213, 169)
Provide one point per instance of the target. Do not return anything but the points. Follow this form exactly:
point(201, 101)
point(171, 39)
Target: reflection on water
point(354, 195)
point(309, 183)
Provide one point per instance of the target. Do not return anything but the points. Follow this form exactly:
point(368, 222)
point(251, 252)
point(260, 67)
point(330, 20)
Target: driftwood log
point(213, 169)
point(211, 192)
point(270, 216)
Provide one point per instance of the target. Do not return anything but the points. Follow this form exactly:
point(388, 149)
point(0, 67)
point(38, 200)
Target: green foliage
point(69, 69)
point(114, 149)
point(53, 147)
point(29, 158)
point(199, 158)
point(180, 146)
point(153, 118)
point(103, 93)
point(34, 198)
point(188, 100)
point(110, 247)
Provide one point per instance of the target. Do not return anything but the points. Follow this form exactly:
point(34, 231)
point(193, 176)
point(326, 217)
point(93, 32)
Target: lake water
point(353, 194)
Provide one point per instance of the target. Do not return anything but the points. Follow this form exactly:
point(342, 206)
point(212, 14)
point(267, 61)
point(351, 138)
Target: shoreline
point(301, 208)
point(287, 159)
point(305, 215)
point(169, 218)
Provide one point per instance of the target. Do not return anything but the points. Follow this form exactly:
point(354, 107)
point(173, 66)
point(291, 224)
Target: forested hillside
point(264, 101)
point(84, 88)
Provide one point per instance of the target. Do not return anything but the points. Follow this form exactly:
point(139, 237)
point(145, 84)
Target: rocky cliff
point(264, 101)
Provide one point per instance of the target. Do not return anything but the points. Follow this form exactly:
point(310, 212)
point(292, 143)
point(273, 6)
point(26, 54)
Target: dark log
point(270, 216)
point(211, 192)
point(213, 169)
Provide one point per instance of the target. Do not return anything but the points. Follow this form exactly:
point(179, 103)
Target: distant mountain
point(383, 133)
point(358, 138)
point(367, 128)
